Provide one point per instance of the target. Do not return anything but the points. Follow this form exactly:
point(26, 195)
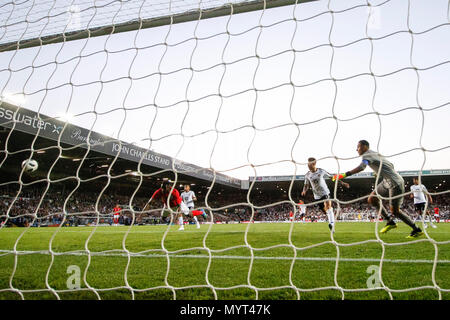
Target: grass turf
point(235, 261)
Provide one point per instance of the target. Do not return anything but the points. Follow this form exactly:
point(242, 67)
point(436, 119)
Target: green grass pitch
point(253, 261)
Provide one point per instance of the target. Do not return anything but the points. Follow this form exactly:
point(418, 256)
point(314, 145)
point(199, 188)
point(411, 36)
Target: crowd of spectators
point(40, 207)
point(358, 210)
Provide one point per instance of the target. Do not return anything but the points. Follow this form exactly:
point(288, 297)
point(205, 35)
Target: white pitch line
point(188, 256)
point(202, 231)
point(297, 258)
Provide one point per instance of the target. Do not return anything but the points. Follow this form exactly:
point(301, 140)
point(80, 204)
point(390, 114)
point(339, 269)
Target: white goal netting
point(112, 97)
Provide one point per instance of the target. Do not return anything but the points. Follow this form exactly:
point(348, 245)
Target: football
point(30, 165)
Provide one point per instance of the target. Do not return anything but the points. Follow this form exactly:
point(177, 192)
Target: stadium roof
point(43, 133)
point(361, 175)
point(434, 180)
point(74, 142)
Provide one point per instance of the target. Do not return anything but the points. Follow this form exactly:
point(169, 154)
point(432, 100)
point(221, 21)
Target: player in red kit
point(436, 214)
point(176, 203)
point(116, 215)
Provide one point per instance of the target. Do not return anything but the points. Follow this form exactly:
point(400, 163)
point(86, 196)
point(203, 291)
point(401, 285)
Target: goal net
point(112, 98)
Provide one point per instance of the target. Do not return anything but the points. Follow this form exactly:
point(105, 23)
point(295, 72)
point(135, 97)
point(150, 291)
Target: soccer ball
point(30, 165)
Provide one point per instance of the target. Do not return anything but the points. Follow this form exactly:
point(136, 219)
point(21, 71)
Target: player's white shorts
point(184, 208)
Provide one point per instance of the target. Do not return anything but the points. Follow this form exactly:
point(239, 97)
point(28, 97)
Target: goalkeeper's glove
point(340, 176)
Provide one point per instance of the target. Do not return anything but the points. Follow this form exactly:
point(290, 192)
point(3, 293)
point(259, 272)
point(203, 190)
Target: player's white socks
point(180, 222)
point(330, 215)
point(196, 222)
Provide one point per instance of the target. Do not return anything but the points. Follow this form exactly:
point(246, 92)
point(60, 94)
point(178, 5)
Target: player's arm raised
point(345, 184)
point(359, 168)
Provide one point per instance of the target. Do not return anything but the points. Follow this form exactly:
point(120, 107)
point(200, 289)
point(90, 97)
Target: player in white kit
point(302, 208)
point(188, 197)
point(315, 179)
point(420, 201)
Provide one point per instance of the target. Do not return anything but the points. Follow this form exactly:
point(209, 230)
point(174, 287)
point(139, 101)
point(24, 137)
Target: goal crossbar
point(135, 24)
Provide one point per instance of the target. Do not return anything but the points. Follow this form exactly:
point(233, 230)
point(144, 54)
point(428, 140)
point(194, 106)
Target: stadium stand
point(81, 208)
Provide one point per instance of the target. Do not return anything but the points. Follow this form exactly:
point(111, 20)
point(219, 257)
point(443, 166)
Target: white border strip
point(192, 256)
